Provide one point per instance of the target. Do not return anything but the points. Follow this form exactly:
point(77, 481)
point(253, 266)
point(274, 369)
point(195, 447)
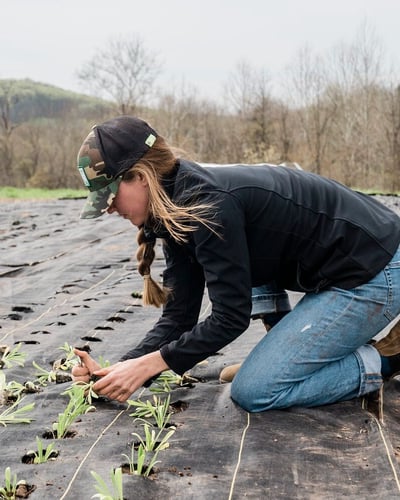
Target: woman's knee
point(250, 395)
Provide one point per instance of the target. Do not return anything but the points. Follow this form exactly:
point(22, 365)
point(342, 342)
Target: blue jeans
point(319, 353)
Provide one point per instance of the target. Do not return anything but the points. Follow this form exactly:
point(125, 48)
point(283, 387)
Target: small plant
point(103, 491)
point(42, 454)
point(8, 491)
point(15, 415)
point(104, 363)
point(159, 411)
point(10, 357)
point(164, 381)
point(139, 467)
point(44, 376)
point(69, 361)
point(86, 388)
point(151, 441)
point(77, 406)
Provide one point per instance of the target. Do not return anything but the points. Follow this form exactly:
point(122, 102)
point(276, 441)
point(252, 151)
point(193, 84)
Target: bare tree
point(307, 93)
point(8, 99)
point(248, 95)
point(124, 71)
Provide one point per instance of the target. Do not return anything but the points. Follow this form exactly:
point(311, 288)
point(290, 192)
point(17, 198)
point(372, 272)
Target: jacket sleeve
point(184, 276)
point(224, 258)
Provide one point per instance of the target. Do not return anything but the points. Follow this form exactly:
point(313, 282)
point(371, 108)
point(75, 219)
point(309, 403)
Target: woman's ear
point(142, 178)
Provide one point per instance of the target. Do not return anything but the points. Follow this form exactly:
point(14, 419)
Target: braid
point(153, 293)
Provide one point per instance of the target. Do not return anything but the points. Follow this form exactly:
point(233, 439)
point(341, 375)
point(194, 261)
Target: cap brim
point(98, 202)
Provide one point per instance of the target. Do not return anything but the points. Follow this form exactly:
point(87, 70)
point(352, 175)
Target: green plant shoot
point(15, 415)
point(11, 357)
point(43, 454)
point(103, 490)
point(9, 490)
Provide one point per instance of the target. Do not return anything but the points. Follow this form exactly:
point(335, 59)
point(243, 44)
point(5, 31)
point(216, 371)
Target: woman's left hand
point(120, 380)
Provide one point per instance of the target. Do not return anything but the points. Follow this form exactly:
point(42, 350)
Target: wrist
point(155, 362)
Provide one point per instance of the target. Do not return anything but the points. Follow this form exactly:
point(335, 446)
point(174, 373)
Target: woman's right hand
point(83, 371)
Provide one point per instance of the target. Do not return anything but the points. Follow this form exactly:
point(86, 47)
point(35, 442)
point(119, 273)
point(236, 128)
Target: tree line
point(336, 114)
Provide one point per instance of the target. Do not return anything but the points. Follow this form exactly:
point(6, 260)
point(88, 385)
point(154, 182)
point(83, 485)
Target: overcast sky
point(199, 42)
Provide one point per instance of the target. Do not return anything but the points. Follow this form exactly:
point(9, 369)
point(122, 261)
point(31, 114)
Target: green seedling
point(44, 376)
point(43, 455)
point(9, 490)
point(16, 415)
point(159, 411)
point(103, 490)
point(104, 363)
point(137, 461)
point(70, 360)
point(86, 388)
point(164, 382)
point(154, 441)
point(76, 407)
point(10, 357)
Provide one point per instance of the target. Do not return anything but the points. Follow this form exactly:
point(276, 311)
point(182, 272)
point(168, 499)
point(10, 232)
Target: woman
point(234, 228)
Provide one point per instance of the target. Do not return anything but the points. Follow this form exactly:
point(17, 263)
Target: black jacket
point(304, 231)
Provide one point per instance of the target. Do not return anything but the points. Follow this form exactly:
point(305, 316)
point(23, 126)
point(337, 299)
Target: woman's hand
point(83, 372)
point(119, 381)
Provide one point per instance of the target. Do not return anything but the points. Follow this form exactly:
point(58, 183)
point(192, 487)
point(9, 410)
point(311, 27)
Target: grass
point(8, 192)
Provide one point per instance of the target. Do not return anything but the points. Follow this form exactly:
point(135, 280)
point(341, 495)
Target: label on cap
point(83, 175)
point(150, 140)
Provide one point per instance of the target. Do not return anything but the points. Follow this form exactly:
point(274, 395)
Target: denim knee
point(246, 395)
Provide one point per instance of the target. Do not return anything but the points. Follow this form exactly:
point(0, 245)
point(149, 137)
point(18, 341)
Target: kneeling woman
point(234, 228)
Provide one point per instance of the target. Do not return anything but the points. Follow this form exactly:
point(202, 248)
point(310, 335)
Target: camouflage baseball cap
point(106, 154)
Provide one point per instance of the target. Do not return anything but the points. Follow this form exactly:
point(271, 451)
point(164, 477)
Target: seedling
point(44, 376)
point(164, 381)
point(152, 441)
point(86, 388)
point(104, 492)
point(104, 363)
point(16, 415)
point(10, 357)
point(77, 406)
point(160, 411)
point(8, 491)
point(139, 467)
point(69, 361)
point(42, 454)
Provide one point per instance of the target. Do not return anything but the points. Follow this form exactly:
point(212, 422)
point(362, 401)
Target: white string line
point(239, 457)
point(388, 453)
point(89, 452)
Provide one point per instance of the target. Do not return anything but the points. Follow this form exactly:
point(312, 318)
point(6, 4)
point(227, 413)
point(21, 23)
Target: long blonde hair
point(158, 163)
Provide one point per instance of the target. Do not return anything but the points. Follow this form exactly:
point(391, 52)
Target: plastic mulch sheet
point(67, 280)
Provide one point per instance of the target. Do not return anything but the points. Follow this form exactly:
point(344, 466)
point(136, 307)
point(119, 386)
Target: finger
point(81, 378)
point(101, 372)
point(79, 371)
point(87, 360)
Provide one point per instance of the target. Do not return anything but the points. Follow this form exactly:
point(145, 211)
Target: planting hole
point(118, 319)
point(179, 406)
point(22, 309)
point(88, 338)
point(27, 342)
point(125, 468)
point(104, 328)
point(53, 435)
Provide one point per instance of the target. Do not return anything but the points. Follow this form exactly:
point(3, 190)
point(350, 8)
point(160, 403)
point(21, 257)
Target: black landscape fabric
point(70, 280)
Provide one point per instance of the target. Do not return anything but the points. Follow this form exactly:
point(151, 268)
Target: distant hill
point(30, 100)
